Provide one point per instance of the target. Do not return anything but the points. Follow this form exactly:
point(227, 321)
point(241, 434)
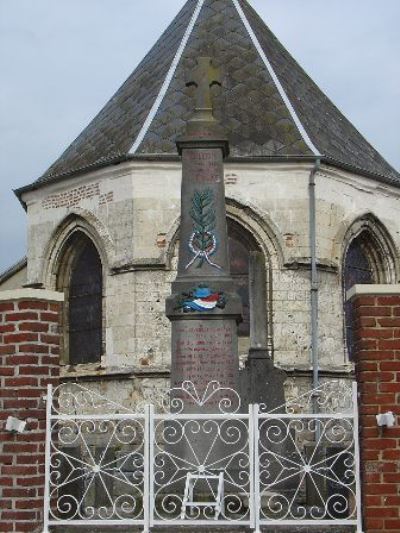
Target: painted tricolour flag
point(204, 300)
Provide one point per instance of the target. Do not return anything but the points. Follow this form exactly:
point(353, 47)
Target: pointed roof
point(269, 106)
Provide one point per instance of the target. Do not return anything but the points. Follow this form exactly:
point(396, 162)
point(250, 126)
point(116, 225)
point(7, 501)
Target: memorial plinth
point(204, 308)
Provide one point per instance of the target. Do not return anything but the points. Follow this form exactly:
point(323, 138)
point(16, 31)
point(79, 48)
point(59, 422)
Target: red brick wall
point(378, 372)
point(29, 355)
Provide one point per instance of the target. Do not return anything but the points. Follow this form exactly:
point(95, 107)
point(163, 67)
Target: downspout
point(314, 277)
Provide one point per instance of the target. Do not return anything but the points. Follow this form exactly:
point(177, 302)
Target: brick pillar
point(377, 328)
point(29, 360)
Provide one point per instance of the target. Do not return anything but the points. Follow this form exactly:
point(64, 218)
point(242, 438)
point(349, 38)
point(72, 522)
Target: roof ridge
point(392, 174)
point(168, 78)
point(306, 138)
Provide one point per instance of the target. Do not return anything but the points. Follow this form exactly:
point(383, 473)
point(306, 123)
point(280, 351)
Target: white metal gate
point(197, 461)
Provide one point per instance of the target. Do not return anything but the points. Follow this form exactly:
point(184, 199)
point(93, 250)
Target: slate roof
point(268, 105)
point(13, 269)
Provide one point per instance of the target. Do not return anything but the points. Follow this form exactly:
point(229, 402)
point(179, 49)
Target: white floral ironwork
point(310, 445)
point(333, 396)
point(203, 448)
point(187, 445)
point(95, 460)
point(198, 457)
point(223, 400)
point(88, 470)
point(74, 399)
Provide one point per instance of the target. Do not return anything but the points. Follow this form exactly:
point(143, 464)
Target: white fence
point(196, 461)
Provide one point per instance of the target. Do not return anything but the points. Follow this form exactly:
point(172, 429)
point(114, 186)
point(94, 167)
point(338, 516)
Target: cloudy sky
point(61, 60)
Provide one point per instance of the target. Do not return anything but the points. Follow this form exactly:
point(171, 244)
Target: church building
point(307, 198)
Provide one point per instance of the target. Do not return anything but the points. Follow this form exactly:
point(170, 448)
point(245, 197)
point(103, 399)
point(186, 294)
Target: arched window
point(367, 260)
point(81, 278)
point(241, 245)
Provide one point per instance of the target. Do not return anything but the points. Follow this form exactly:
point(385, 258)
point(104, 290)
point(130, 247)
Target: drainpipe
point(314, 277)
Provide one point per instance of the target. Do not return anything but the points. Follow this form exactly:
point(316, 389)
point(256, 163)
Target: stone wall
point(132, 211)
point(377, 322)
point(29, 360)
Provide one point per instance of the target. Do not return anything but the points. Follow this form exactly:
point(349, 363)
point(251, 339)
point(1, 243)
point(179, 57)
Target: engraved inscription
point(205, 351)
point(205, 166)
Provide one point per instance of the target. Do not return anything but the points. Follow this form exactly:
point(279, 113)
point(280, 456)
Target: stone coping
point(94, 372)
point(31, 294)
point(372, 290)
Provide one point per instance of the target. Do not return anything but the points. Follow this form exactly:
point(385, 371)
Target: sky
point(61, 60)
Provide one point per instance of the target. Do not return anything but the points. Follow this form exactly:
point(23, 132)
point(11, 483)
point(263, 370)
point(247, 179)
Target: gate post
point(255, 503)
point(357, 457)
point(46, 505)
point(29, 361)
point(146, 468)
point(377, 359)
point(149, 469)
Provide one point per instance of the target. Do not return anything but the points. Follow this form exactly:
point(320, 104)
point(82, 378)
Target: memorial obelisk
point(204, 308)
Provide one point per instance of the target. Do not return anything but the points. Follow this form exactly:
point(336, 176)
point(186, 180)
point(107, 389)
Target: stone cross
point(204, 76)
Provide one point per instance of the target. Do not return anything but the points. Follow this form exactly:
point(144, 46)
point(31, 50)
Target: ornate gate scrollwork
point(191, 459)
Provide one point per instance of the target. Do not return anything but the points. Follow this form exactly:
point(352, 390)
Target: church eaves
point(268, 105)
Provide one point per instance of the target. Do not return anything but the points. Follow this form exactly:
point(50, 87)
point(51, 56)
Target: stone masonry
point(137, 234)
